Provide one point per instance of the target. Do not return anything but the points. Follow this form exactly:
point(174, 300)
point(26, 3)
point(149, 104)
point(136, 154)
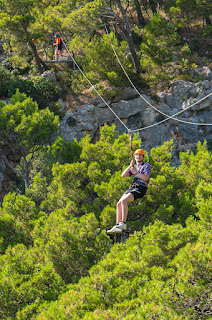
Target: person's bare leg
point(129, 198)
point(118, 212)
point(56, 54)
point(122, 207)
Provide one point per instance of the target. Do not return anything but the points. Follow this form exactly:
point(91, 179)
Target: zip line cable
point(93, 85)
point(171, 117)
point(166, 115)
point(150, 126)
point(147, 127)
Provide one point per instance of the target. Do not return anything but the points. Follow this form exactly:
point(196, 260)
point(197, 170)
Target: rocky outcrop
point(204, 73)
point(48, 74)
point(136, 114)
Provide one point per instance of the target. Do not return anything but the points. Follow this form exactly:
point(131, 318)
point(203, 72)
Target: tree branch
point(11, 167)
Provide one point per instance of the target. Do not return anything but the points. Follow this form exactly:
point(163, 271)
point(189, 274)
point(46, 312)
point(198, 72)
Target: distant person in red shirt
point(58, 46)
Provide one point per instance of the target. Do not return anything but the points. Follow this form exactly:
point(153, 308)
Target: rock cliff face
point(137, 114)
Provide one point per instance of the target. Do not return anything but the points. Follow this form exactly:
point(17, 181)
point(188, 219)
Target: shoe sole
point(112, 232)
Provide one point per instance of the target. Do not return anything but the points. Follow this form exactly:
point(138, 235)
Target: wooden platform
point(60, 60)
point(62, 63)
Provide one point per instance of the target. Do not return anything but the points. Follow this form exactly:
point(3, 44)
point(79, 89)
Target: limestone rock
point(204, 72)
point(177, 93)
point(48, 74)
point(149, 118)
point(128, 94)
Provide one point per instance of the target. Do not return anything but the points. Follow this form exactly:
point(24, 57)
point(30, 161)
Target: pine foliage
point(58, 263)
point(56, 260)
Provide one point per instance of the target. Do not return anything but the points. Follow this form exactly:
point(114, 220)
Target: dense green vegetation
point(56, 260)
point(54, 246)
point(156, 41)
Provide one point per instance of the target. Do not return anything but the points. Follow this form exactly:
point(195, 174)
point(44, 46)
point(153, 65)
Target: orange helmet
point(140, 151)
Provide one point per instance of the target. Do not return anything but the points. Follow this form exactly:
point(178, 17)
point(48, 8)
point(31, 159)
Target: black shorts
point(59, 46)
point(138, 191)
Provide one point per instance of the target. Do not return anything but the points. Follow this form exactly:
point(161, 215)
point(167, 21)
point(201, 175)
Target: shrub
point(4, 81)
point(43, 91)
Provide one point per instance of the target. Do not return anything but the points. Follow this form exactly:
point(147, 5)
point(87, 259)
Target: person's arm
point(143, 176)
point(126, 172)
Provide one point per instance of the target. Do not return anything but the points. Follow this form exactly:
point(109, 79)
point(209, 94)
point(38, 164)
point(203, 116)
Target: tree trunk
point(117, 34)
point(26, 174)
point(24, 177)
point(187, 34)
point(126, 30)
point(105, 23)
point(139, 13)
point(207, 19)
point(41, 66)
point(153, 6)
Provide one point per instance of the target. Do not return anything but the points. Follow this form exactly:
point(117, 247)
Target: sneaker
point(114, 229)
point(122, 225)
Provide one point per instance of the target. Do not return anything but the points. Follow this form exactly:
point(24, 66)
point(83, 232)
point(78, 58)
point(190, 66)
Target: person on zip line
point(141, 175)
